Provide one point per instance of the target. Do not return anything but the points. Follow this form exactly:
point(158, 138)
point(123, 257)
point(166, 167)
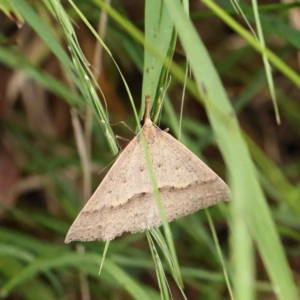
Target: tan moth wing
point(125, 202)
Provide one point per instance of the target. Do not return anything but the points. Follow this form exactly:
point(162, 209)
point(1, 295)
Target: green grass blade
point(158, 31)
point(265, 60)
point(173, 267)
point(103, 256)
point(211, 225)
point(160, 274)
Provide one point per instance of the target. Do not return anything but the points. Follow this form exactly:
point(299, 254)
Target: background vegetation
point(61, 87)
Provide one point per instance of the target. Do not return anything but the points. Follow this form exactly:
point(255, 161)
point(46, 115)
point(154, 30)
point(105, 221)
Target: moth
point(125, 200)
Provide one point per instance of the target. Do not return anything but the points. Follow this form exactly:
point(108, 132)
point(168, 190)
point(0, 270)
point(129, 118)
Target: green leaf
point(158, 32)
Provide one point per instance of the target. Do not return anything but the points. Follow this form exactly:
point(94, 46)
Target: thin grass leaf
point(160, 274)
point(158, 31)
point(103, 257)
point(214, 234)
point(261, 40)
point(187, 71)
point(182, 101)
point(170, 261)
point(265, 60)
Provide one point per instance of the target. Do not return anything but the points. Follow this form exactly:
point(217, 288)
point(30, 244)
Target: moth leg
point(124, 124)
point(122, 138)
